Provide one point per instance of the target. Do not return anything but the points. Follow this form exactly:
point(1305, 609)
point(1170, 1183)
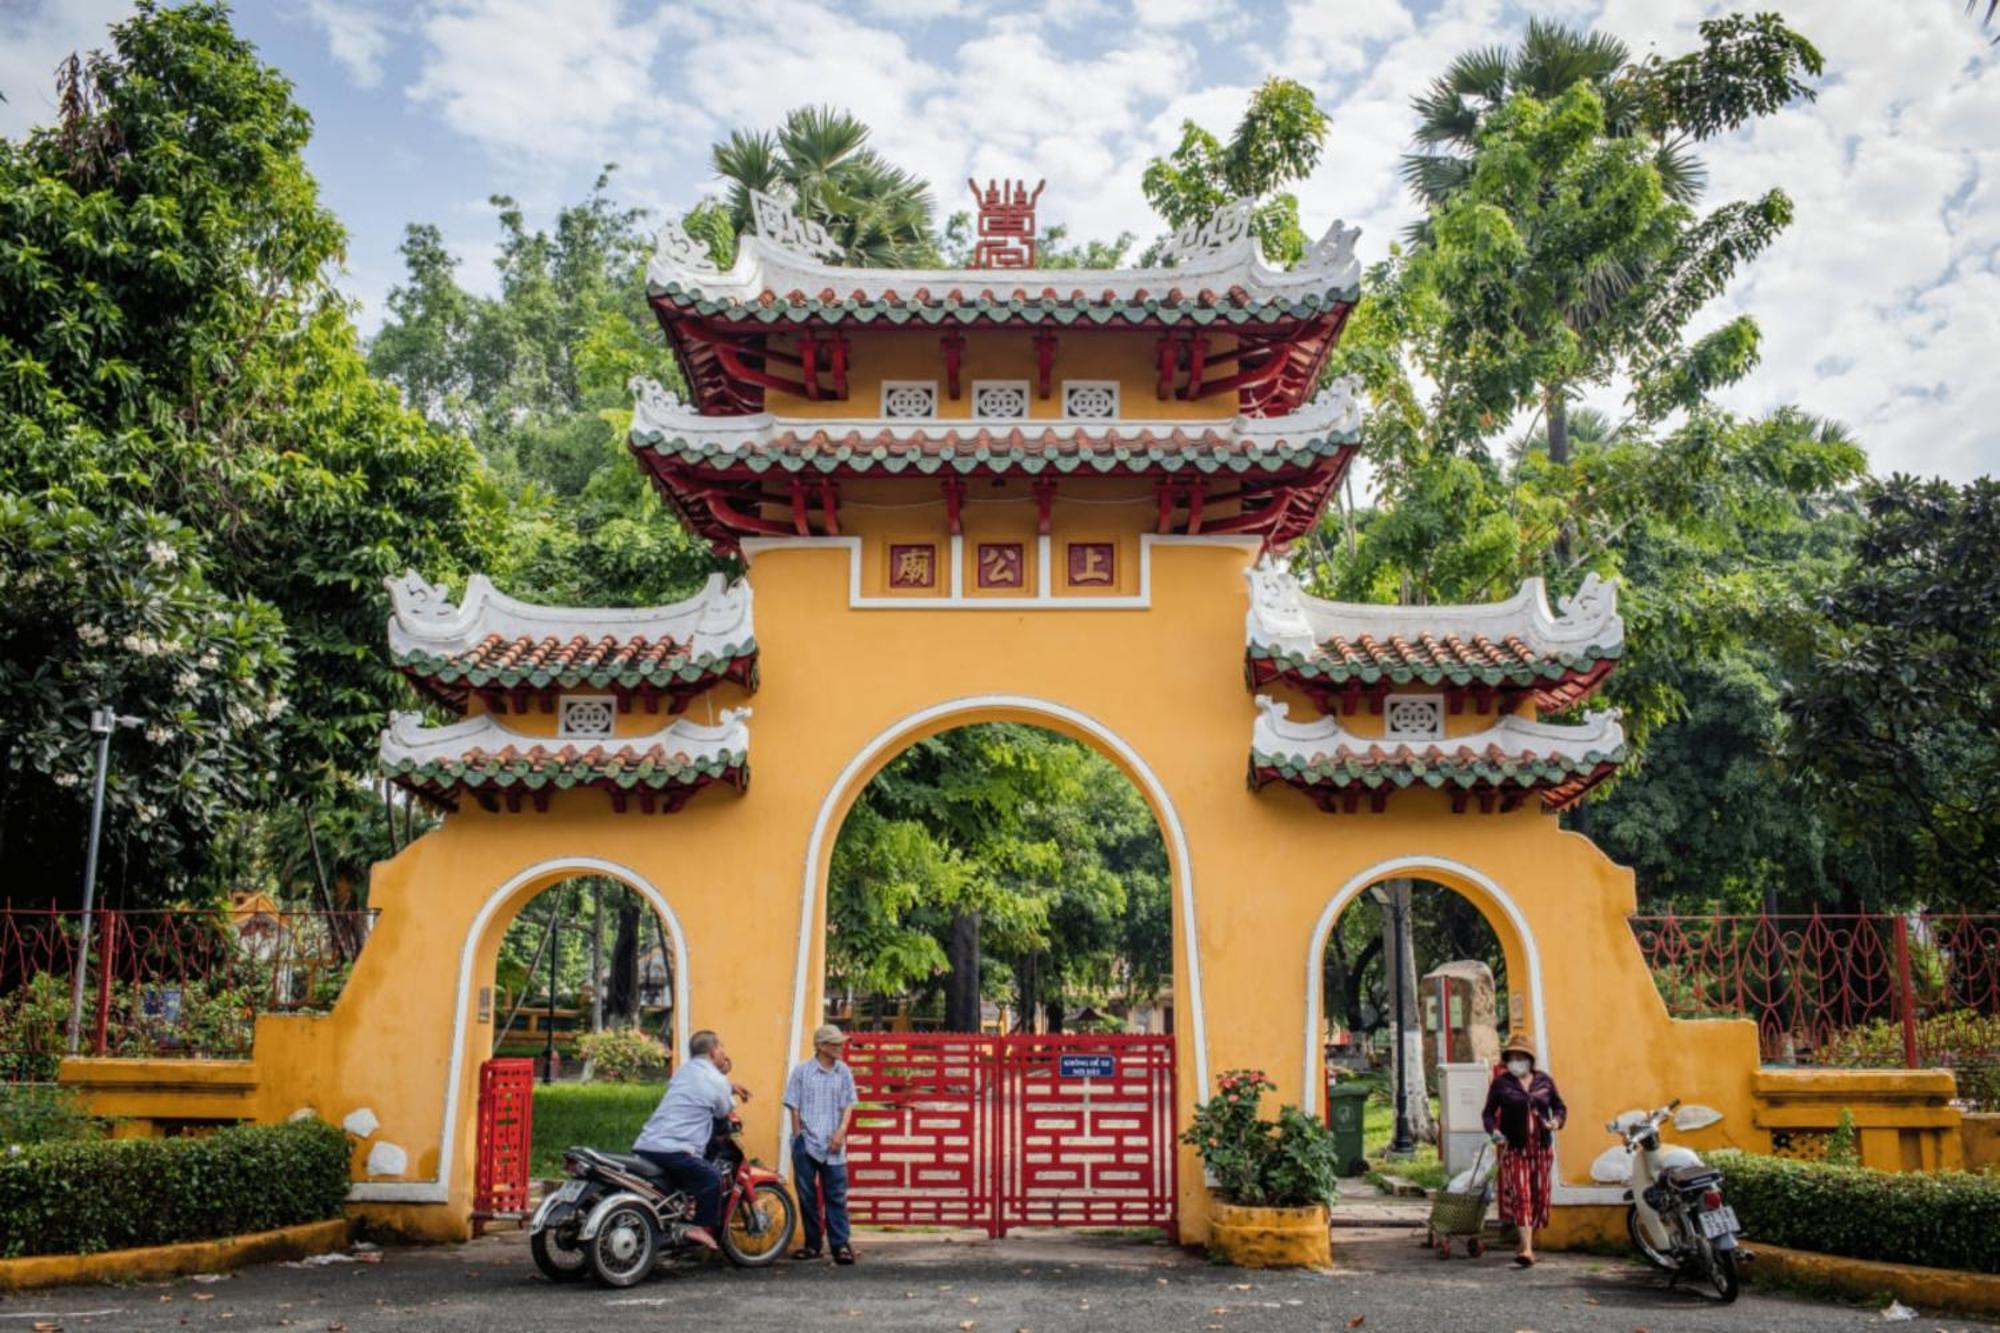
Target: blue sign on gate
point(1087, 1066)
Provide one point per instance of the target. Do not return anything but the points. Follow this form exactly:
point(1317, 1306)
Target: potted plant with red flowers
point(1273, 1181)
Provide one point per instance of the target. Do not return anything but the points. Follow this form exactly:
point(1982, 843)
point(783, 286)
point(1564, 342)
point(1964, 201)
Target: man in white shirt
point(675, 1138)
point(820, 1096)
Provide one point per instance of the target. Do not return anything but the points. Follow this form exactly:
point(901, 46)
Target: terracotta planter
point(1271, 1237)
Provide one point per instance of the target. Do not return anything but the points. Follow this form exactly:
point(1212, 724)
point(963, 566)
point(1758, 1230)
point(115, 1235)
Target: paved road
point(1383, 1283)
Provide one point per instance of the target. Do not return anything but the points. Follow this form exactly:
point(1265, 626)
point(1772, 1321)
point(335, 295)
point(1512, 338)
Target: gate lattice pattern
point(989, 1132)
point(506, 1137)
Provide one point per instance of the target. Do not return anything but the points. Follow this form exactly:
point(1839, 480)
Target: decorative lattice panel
point(909, 399)
point(587, 716)
point(922, 1145)
point(1090, 400)
point(999, 399)
point(1414, 717)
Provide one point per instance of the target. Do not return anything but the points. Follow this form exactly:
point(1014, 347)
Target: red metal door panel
point(993, 1132)
point(506, 1140)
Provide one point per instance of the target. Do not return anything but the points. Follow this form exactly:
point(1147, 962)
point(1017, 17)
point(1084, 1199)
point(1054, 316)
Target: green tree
point(818, 158)
point(200, 486)
point(1278, 141)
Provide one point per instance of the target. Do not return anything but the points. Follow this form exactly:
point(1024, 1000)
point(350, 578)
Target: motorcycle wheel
point(623, 1251)
point(759, 1226)
point(1722, 1274)
point(557, 1254)
point(1652, 1256)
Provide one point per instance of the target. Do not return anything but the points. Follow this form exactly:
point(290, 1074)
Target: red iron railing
point(165, 982)
point(1871, 990)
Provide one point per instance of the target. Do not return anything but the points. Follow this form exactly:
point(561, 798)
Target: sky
point(1880, 306)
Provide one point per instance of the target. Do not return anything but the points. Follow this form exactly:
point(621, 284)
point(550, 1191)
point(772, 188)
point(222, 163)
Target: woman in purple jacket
point(1523, 1111)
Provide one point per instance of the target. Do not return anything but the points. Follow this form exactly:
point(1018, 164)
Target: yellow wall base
point(1270, 1237)
point(158, 1261)
point(1924, 1288)
point(1903, 1118)
point(1980, 1137)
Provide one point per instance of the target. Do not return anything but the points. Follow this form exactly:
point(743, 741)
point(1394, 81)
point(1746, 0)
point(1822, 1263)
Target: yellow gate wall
point(1160, 691)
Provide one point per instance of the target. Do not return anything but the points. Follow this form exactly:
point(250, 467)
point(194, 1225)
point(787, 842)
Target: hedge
point(82, 1197)
point(1941, 1219)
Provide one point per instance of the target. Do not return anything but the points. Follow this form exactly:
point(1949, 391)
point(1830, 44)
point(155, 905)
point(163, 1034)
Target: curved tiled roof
point(482, 757)
point(1511, 645)
point(783, 274)
point(490, 641)
point(1513, 757)
point(760, 442)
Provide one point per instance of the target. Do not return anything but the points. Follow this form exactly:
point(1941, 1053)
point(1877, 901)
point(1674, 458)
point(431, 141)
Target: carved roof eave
point(715, 623)
point(487, 759)
point(788, 255)
point(1558, 761)
point(661, 423)
point(1284, 622)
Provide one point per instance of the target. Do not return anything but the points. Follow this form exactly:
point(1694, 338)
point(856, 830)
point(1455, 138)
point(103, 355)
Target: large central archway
point(915, 726)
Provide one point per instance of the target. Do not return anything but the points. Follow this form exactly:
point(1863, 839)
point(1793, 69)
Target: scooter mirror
point(1613, 1166)
point(1693, 1117)
point(1627, 1121)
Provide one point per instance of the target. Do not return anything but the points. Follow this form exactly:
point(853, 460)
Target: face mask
point(1518, 1067)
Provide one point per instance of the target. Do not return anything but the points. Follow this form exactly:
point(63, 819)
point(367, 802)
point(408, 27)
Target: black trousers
point(698, 1178)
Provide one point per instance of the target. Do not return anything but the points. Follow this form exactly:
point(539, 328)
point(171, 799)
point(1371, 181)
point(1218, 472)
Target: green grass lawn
point(599, 1115)
point(1378, 1126)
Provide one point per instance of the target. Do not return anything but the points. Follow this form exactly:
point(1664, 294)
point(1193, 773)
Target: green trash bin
point(1344, 1105)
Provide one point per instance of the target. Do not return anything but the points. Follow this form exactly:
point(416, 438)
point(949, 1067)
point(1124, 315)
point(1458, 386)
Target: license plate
point(1719, 1222)
point(570, 1192)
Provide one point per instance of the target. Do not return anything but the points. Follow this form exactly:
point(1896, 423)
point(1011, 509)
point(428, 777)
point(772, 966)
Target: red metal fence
point(1859, 991)
point(165, 982)
point(1002, 1132)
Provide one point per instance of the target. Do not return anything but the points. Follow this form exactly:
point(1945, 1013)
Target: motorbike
point(619, 1218)
point(1678, 1220)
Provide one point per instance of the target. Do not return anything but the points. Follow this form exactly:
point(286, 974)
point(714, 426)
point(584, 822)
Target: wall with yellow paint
point(840, 690)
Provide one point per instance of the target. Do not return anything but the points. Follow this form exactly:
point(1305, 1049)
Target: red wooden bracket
point(954, 501)
point(1197, 361)
point(1045, 495)
point(809, 362)
point(1195, 493)
point(829, 505)
point(1045, 360)
point(953, 346)
point(734, 365)
point(840, 367)
point(1168, 364)
point(799, 522)
point(1165, 491)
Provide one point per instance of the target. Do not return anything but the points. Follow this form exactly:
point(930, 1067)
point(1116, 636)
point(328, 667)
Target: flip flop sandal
point(804, 1254)
point(843, 1255)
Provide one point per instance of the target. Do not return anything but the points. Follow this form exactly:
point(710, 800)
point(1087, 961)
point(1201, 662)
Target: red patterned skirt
point(1524, 1181)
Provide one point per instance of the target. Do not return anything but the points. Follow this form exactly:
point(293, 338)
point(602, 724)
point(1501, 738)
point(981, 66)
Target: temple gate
point(1006, 494)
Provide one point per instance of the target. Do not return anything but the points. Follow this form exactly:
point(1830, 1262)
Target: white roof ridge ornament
point(778, 222)
point(1334, 252)
point(674, 248)
point(1228, 233)
point(716, 619)
point(654, 405)
point(1601, 733)
point(1284, 617)
point(407, 740)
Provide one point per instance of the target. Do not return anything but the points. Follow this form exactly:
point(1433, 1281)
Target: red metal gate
point(506, 1139)
point(1003, 1132)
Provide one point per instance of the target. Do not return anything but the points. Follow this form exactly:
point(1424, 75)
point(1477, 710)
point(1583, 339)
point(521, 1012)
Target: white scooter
point(1678, 1220)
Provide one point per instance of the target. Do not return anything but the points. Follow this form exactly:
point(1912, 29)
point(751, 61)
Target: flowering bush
point(1964, 1041)
point(1289, 1163)
point(623, 1055)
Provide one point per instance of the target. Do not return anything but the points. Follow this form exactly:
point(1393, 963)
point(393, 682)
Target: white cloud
point(357, 36)
point(37, 35)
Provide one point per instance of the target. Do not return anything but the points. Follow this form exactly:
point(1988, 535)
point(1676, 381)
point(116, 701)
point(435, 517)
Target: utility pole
point(555, 951)
point(103, 721)
point(1403, 1144)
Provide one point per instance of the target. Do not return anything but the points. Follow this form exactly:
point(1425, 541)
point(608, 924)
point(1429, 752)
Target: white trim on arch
point(1415, 866)
point(892, 735)
point(438, 1189)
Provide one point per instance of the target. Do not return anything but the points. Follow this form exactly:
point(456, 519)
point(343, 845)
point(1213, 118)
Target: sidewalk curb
point(1938, 1288)
point(156, 1261)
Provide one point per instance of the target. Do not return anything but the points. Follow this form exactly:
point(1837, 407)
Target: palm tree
point(1551, 58)
point(877, 213)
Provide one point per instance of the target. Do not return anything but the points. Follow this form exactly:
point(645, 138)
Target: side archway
point(482, 941)
point(913, 727)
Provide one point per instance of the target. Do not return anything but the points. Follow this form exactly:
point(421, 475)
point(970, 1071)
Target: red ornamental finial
point(1006, 224)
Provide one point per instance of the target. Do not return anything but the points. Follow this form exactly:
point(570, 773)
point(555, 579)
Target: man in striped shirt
point(820, 1096)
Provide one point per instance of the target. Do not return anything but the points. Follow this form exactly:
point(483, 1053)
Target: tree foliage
point(818, 159)
point(1278, 141)
point(201, 488)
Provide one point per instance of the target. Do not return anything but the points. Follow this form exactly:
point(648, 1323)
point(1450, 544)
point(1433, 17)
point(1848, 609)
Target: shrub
point(623, 1055)
point(1255, 1162)
point(1964, 1041)
point(1843, 1146)
point(1941, 1219)
point(43, 1113)
point(81, 1197)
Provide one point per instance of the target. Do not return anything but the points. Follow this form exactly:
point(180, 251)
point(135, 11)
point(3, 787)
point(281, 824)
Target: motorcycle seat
point(1687, 1177)
point(631, 1162)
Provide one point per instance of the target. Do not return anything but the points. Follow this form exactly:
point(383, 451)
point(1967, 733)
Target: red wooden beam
point(798, 490)
point(1197, 362)
point(954, 501)
point(730, 362)
point(720, 505)
point(1165, 491)
point(1262, 374)
point(809, 362)
point(1196, 491)
point(1045, 359)
point(829, 505)
point(1168, 364)
point(840, 366)
point(953, 347)
point(1045, 495)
